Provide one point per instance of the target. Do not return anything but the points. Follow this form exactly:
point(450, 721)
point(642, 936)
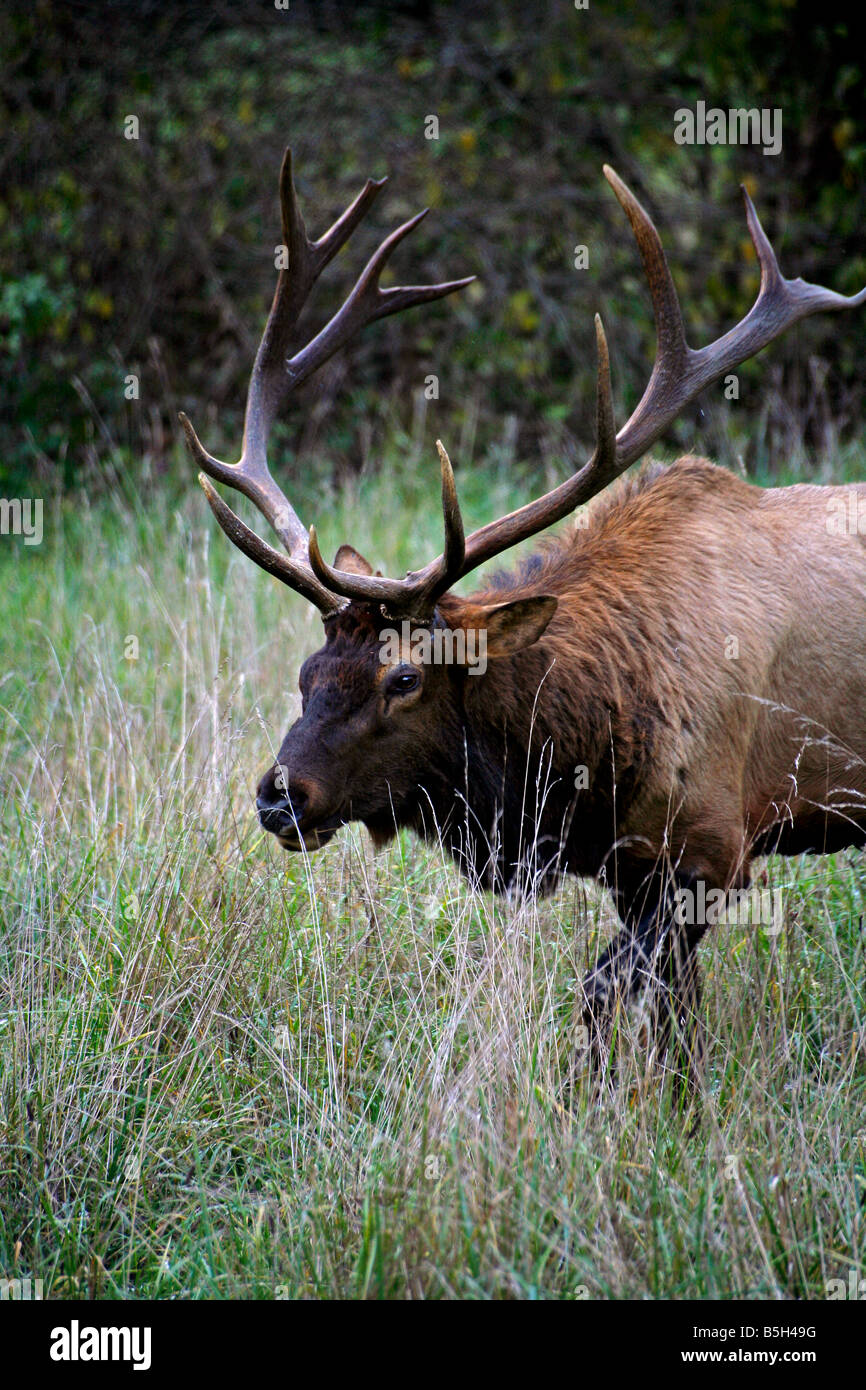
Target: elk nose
point(276, 816)
point(280, 810)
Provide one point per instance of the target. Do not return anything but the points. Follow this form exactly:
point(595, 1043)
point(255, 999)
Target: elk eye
point(404, 680)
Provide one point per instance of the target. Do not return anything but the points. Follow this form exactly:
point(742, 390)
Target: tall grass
point(229, 1072)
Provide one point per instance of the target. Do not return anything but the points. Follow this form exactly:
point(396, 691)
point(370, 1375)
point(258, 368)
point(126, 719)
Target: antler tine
point(295, 573)
point(366, 303)
point(671, 346)
point(252, 477)
point(307, 260)
point(417, 593)
point(455, 543)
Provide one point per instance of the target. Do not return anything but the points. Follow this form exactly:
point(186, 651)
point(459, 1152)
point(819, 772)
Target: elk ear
point(348, 559)
point(512, 626)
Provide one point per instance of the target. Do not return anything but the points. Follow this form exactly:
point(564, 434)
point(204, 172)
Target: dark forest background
point(154, 257)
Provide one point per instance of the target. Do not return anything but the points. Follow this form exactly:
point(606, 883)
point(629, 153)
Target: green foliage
point(153, 257)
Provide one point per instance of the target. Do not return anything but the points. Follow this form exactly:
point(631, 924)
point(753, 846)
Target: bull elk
point(610, 650)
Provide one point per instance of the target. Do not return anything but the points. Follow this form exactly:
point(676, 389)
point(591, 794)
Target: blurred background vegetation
point(155, 257)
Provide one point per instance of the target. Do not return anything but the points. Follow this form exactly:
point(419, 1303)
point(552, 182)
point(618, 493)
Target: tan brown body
point(724, 627)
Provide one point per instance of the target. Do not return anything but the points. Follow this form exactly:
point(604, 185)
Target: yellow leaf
point(843, 134)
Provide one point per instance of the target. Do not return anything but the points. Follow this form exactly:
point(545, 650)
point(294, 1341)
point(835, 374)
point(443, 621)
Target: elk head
point(375, 711)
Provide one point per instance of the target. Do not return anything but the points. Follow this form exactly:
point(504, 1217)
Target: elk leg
point(653, 955)
point(676, 998)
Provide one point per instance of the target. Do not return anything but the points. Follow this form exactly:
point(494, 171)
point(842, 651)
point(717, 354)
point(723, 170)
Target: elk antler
point(275, 375)
point(679, 374)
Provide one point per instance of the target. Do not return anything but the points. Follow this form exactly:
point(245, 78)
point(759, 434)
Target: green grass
point(228, 1072)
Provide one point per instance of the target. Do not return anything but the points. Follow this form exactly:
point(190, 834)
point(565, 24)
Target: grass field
point(229, 1072)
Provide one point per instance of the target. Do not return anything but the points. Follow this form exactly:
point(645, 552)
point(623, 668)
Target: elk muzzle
point(294, 809)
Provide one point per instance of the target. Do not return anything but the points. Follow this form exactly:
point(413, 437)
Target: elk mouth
point(315, 838)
